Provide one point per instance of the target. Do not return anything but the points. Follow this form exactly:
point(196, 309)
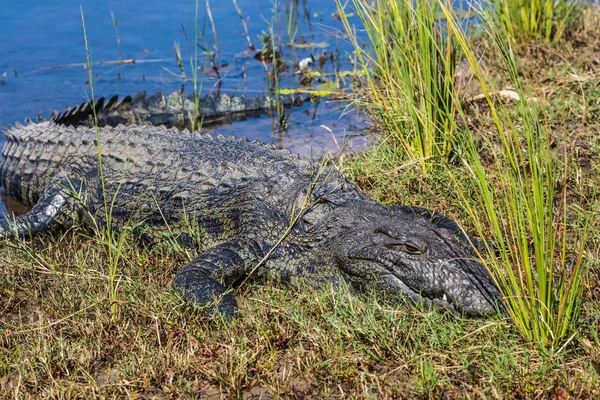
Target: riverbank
point(61, 336)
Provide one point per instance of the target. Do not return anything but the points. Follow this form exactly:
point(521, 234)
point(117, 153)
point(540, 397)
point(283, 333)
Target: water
point(43, 58)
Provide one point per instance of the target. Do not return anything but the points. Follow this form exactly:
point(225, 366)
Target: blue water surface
point(43, 53)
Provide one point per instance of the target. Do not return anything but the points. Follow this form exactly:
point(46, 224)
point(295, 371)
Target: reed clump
point(504, 170)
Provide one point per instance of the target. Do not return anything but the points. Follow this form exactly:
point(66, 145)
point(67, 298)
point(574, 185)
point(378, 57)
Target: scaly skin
point(242, 197)
point(174, 110)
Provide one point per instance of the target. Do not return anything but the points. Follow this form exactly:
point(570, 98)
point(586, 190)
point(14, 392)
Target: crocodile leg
point(204, 280)
point(55, 208)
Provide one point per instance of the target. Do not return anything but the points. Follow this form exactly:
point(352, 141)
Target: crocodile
point(174, 110)
point(256, 212)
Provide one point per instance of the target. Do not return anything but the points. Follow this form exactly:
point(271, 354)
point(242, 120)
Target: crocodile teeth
point(444, 298)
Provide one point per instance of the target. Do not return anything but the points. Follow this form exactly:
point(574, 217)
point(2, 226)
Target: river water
point(43, 59)
point(43, 54)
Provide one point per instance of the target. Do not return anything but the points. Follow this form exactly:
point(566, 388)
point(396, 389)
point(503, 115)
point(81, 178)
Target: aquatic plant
point(408, 68)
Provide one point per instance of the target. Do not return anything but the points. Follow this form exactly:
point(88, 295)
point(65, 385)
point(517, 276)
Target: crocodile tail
point(174, 110)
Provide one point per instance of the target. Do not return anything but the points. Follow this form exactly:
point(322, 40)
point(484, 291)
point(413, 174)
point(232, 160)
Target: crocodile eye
point(412, 249)
point(407, 248)
point(395, 247)
point(402, 244)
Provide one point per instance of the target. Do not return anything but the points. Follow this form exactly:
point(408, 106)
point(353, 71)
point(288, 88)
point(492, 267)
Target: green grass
point(408, 68)
point(64, 335)
point(196, 120)
point(510, 198)
point(270, 56)
point(517, 206)
point(113, 244)
point(287, 342)
point(546, 20)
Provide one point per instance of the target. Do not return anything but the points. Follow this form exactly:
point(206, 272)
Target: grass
point(196, 121)
point(60, 336)
point(270, 57)
point(408, 67)
point(516, 205)
point(545, 20)
point(113, 244)
point(510, 199)
point(289, 343)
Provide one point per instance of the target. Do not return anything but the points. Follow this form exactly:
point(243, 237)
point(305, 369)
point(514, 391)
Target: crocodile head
point(416, 252)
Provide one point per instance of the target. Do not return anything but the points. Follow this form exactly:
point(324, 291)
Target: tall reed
point(409, 69)
point(513, 201)
point(113, 244)
point(536, 19)
point(196, 120)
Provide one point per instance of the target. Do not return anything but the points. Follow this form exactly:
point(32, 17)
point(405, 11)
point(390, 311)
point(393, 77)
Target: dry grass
point(57, 339)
